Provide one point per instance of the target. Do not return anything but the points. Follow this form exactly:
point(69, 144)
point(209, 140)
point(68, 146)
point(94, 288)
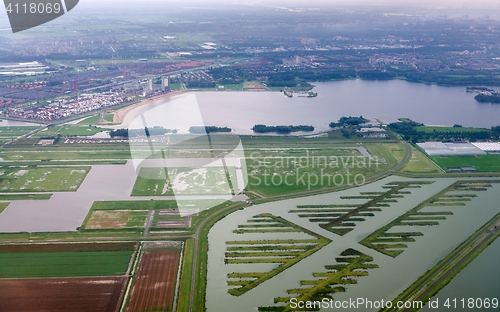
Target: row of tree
point(126, 133)
point(281, 129)
point(208, 129)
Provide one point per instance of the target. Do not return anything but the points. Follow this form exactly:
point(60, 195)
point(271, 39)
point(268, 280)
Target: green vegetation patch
point(62, 264)
point(483, 163)
point(429, 129)
point(419, 163)
point(351, 265)
point(284, 253)
point(188, 181)
point(3, 206)
point(295, 172)
point(71, 130)
point(392, 244)
point(47, 179)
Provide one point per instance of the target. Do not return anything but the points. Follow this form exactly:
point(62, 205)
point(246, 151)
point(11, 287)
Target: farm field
point(62, 264)
point(46, 179)
point(61, 294)
point(155, 281)
point(483, 163)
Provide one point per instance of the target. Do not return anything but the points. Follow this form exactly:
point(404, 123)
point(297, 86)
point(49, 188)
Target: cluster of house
point(65, 108)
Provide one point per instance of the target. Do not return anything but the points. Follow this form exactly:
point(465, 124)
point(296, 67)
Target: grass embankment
point(25, 196)
point(186, 274)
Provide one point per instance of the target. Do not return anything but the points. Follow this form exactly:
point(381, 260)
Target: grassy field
point(192, 181)
point(238, 86)
point(91, 120)
point(295, 171)
point(59, 264)
point(483, 163)
point(419, 163)
point(71, 130)
point(9, 132)
point(42, 179)
point(430, 129)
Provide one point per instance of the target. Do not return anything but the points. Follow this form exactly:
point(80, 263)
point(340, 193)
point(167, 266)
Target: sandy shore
point(119, 115)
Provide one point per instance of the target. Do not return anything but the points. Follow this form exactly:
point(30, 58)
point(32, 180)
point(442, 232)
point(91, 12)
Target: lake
point(385, 100)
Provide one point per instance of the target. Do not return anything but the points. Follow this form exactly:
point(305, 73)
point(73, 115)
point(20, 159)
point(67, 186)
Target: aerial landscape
point(275, 155)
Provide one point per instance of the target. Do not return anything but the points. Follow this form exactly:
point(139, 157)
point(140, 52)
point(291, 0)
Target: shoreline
point(119, 115)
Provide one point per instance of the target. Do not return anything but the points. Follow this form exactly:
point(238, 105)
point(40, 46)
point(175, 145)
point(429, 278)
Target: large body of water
point(385, 100)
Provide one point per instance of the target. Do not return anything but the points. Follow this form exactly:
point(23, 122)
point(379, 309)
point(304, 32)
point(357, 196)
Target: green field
point(71, 130)
point(419, 163)
point(483, 163)
point(13, 132)
point(278, 173)
point(429, 129)
point(192, 181)
point(47, 179)
point(62, 264)
point(90, 120)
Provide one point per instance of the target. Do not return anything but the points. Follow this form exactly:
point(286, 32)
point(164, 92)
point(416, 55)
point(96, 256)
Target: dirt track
point(154, 284)
point(99, 294)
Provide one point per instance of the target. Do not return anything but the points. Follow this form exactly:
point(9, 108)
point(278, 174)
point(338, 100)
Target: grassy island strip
point(342, 218)
point(284, 252)
point(442, 273)
point(351, 265)
point(392, 244)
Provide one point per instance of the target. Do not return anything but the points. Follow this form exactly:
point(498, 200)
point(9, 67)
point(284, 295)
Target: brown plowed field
point(97, 294)
point(154, 284)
